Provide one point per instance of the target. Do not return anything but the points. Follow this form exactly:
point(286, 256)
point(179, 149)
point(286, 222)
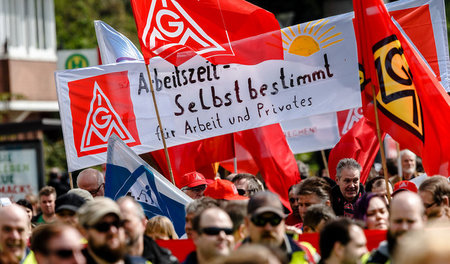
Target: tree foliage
point(75, 21)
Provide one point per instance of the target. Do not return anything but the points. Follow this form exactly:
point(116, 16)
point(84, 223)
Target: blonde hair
point(160, 227)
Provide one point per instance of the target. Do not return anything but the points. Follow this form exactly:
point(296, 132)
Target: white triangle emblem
point(177, 30)
point(102, 121)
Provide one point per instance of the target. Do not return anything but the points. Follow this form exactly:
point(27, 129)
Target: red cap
point(223, 189)
point(407, 185)
point(192, 179)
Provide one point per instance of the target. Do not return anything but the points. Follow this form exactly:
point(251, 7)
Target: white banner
point(199, 100)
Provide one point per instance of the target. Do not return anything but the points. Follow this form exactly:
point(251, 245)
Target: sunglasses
point(105, 226)
point(259, 220)
point(241, 191)
point(61, 253)
point(199, 188)
point(214, 231)
point(96, 191)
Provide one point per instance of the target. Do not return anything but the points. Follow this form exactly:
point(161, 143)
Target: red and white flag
point(177, 30)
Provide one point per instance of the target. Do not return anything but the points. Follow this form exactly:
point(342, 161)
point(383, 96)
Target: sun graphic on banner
point(309, 40)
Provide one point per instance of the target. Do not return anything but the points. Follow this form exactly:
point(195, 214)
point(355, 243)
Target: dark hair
point(336, 230)
point(254, 185)
point(316, 213)
point(314, 185)
point(370, 184)
point(25, 203)
point(362, 204)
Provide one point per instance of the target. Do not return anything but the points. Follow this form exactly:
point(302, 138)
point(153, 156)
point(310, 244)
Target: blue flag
point(114, 47)
point(128, 174)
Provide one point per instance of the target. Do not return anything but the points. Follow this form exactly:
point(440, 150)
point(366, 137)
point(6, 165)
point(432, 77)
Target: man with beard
point(212, 235)
point(14, 224)
point(137, 243)
point(102, 225)
point(348, 188)
point(265, 222)
point(406, 213)
point(342, 242)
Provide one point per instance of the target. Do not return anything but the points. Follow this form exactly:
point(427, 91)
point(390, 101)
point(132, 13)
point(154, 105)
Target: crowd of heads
point(237, 215)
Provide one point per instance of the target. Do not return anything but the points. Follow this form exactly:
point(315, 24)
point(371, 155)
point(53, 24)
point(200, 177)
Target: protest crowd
point(351, 212)
point(237, 220)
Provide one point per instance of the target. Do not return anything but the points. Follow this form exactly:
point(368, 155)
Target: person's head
point(87, 196)
point(213, 234)
point(293, 199)
point(193, 184)
point(408, 159)
point(57, 243)
point(265, 219)
point(66, 207)
point(196, 206)
point(348, 173)
point(372, 209)
point(303, 169)
point(102, 226)
point(134, 220)
point(254, 254)
point(426, 246)
point(92, 181)
point(435, 193)
point(378, 185)
point(316, 217)
point(47, 197)
point(237, 210)
point(406, 212)
point(160, 227)
point(342, 241)
point(313, 190)
point(27, 206)
point(14, 231)
point(247, 184)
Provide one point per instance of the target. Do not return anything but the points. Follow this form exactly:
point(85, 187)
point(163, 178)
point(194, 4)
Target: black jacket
point(338, 200)
point(156, 254)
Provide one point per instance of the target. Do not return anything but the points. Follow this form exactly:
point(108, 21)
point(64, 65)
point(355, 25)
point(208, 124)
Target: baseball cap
point(68, 201)
point(223, 189)
point(264, 202)
point(192, 179)
point(407, 185)
point(93, 211)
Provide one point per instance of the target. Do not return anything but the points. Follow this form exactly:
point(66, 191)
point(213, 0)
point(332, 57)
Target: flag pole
point(325, 162)
point(383, 157)
point(161, 131)
point(70, 180)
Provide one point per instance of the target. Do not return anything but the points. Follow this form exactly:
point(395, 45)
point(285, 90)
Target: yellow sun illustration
point(309, 40)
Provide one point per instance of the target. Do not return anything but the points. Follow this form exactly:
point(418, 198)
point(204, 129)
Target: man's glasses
point(429, 205)
point(96, 191)
point(61, 253)
point(105, 226)
point(262, 220)
point(214, 231)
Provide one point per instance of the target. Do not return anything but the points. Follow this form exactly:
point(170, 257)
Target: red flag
point(276, 163)
point(412, 105)
point(359, 143)
point(196, 156)
point(177, 30)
